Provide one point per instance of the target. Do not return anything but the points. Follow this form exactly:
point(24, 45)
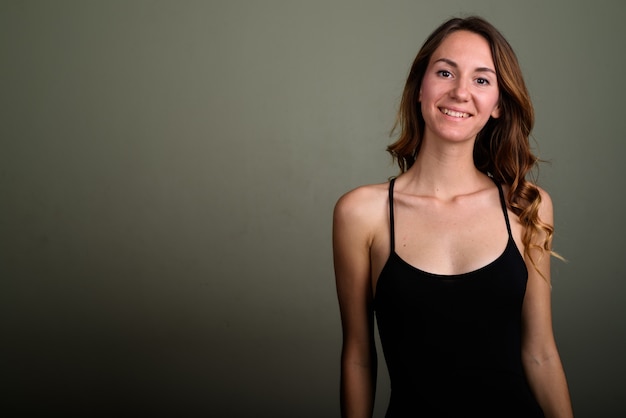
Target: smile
point(454, 113)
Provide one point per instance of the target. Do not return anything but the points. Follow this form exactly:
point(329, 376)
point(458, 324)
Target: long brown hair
point(502, 147)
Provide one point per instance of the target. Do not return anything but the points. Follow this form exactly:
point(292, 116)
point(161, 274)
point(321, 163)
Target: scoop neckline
point(457, 276)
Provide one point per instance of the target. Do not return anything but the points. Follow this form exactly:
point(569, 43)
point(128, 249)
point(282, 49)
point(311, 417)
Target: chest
point(451, 237)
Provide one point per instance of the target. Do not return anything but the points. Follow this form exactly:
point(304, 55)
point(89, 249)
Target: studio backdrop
point(168, 172)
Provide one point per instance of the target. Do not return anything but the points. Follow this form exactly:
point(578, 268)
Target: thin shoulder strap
point(392, 238)
point(503, 203)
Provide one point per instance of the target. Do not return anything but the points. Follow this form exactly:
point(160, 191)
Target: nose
point(460, 90)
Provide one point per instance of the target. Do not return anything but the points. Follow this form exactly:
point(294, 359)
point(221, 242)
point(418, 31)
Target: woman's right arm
point(351, 253)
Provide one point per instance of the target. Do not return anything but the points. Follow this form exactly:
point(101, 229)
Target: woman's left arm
point(540, 356)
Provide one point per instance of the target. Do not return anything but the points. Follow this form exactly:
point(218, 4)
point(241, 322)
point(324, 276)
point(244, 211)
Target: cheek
point(491, 104)
point(426, 89)
point(425, 94)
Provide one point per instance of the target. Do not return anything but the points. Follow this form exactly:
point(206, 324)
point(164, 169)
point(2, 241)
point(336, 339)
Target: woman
point(453, 255)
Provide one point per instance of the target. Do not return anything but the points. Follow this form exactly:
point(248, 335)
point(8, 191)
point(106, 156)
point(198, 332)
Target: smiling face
point(459, 91)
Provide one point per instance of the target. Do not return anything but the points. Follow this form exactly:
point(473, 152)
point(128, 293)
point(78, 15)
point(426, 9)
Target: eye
point(483, 81)
point(444, 73)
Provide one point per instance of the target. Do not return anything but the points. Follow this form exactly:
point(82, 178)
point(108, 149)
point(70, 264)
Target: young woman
point(453, 255)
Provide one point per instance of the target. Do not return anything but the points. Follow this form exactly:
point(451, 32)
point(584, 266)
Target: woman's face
point(459, 92)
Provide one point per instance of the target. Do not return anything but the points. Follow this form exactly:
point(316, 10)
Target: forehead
point(464, 47)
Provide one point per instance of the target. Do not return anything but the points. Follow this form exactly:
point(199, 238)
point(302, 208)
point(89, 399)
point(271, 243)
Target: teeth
point(455, 114)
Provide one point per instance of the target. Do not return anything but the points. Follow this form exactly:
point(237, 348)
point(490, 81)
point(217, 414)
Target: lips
point(454, 113)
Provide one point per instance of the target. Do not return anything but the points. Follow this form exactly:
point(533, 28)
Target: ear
point(495, 113)
point(419, 97)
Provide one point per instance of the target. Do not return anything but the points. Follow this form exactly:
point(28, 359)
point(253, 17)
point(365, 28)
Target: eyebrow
point(455, 65)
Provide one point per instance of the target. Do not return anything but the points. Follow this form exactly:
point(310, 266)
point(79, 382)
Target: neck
point(445, 171)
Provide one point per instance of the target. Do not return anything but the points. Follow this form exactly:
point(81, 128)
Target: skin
point(448, 221)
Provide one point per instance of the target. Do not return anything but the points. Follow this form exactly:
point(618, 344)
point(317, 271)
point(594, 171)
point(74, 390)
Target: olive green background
point(168, 172)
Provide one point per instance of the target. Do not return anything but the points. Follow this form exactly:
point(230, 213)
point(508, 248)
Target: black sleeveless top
point(452, 343)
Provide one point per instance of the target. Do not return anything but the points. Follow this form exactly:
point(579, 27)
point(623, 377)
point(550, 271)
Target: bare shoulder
point(362, 209)
point(546, 210)
point(363, 199)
